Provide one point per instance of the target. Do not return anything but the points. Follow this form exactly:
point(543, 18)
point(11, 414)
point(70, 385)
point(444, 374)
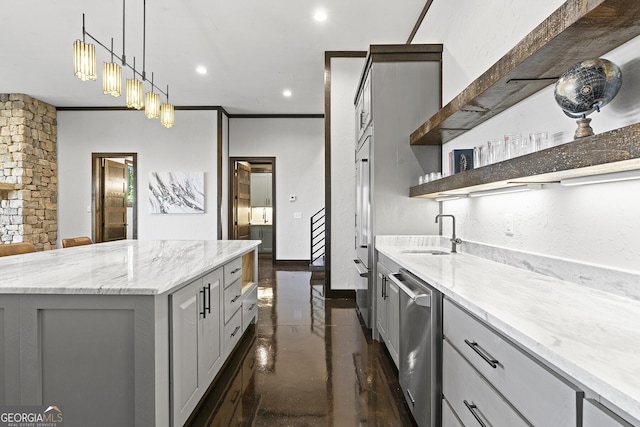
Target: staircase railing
point(317, 250)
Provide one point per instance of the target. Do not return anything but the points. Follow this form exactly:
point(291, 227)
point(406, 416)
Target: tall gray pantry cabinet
point(399, 87)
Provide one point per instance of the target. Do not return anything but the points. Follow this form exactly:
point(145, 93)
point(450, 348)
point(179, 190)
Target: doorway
point(114, 196)
point(252, 215)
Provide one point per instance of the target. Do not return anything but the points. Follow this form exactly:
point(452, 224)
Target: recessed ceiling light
point(320, 16)
point(287, 93)
point(201, 69)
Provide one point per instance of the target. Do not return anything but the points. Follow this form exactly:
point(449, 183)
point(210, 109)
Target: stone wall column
point(28, 171)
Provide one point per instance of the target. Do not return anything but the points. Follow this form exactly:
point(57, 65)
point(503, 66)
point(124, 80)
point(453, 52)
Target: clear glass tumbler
point(513, 145)
point(539, 140)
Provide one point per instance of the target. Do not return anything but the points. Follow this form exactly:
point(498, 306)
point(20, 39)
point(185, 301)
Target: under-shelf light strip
point(446, 198)
point(601, 178)
point(506, 190)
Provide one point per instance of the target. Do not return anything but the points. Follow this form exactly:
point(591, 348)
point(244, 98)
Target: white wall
point(298, 146)
point(190, 146)
point(345, 75)
point(595, 224)
point(224, 214)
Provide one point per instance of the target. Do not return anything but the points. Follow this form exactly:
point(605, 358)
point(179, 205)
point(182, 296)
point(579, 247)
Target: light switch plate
point(508, 224)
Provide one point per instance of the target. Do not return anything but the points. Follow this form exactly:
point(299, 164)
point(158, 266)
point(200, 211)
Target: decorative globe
point(587, 86)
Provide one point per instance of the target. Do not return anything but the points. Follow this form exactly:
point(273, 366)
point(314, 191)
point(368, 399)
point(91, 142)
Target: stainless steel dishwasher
point(420, 348)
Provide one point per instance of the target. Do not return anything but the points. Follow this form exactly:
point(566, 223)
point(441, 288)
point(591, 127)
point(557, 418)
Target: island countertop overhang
point(125, 267)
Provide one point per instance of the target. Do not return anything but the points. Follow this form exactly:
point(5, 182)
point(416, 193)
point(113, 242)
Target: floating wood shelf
point(613, 151)
point(578, 30)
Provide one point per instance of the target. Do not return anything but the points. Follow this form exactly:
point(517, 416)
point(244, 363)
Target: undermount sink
point(425, 251)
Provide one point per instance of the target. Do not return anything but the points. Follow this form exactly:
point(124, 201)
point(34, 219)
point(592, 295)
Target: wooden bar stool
point(17, 248)
point(76, 241)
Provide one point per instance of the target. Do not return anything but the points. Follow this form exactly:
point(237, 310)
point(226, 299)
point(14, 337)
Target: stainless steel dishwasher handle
point(423, 300)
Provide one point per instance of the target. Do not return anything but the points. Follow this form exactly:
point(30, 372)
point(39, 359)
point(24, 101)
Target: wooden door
point(241, 201)
point(114, 226)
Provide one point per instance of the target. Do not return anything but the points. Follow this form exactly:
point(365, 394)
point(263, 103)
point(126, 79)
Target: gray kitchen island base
point(126, 360)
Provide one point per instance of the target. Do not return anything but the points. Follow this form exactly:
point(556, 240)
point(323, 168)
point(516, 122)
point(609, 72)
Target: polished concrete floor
point(307, 362)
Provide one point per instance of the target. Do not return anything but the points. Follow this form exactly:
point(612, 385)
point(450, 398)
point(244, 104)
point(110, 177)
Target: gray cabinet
point(152, 355)
point(596, 415)
point(472, 398)
point(363, 108)
point(546, 400)
point(232, 296)
point(393, 321)
point(249, 305)
point(261, 194)
point(388, 311)
point(382, 283)
point(265, 234)
point(400, 85)
point(196, 350)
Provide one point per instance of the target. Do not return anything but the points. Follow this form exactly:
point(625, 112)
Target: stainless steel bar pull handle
point(236, 270)
point(472, 408)
point(204, 303)
point(413, 401)
point(485, 356)
point(362, 272)
point(208, 289)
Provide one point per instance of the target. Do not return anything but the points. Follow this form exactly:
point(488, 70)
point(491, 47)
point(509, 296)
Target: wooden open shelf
point(578, 30)
point(613, 151)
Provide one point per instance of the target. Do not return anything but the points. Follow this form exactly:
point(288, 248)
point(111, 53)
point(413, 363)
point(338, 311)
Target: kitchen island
point(123, 333)
point(588, 338)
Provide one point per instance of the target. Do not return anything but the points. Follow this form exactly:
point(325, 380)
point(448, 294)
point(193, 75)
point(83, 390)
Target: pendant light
point(167, 118)
point(84, 61)
point(111, 77)
point(152, 103)
point(134, 91)
point(84, 58)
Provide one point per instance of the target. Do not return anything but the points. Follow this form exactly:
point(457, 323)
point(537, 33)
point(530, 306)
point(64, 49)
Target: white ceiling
point(252, 49)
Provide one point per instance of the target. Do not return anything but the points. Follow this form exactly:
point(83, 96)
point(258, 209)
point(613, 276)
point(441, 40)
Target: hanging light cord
point(124, 58)
point(144, 39)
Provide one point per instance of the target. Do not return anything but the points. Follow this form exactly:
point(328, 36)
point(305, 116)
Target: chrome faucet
point(454, 240)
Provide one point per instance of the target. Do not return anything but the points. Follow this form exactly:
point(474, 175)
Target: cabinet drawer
point(232, 332)
point(232, 299)
point(471, 397)
point(546, 400)
point(249, 306)
point(449, 419)
point(232, 271)
point(596, 415)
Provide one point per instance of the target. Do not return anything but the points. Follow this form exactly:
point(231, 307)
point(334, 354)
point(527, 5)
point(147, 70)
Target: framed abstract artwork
point(176, 192)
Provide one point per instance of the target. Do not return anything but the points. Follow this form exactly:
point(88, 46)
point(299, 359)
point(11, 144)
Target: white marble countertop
point(125, 267)
point(591, 335)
